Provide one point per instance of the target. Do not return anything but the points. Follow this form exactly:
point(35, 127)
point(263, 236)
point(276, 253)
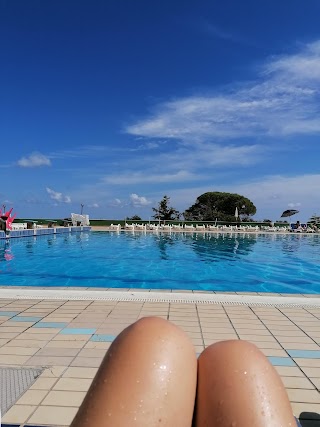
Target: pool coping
point(170, 297)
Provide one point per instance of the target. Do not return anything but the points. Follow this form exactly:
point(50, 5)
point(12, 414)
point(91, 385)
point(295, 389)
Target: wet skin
point(149, 378)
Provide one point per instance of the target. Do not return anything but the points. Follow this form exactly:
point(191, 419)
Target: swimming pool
point(288, 263)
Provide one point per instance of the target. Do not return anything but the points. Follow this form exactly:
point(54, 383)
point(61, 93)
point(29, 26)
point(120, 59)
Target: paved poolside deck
point(67, 337)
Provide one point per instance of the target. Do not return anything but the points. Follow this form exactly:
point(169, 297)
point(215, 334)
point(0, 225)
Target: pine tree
point(164, 212)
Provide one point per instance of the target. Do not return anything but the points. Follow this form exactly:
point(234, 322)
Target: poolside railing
point(41, 231)
point(20, 233)
point(65, 229)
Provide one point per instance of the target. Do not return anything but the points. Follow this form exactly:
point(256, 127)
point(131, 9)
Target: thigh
point(237, 386)
point(147, 378)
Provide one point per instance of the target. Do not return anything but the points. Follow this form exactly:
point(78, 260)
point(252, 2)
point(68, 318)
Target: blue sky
point(113, 104)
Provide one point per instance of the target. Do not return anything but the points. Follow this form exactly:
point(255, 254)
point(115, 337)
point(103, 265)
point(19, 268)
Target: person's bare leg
point(237, 386)
point(147, 378)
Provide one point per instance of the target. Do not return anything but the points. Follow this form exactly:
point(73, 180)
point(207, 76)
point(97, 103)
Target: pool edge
point(169, 297)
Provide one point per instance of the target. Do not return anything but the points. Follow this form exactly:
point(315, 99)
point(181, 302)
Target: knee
point(230, 345)
point(155, 325)
point(156, 329)
point(232, 351)
point(151, 322)
point(150, 325)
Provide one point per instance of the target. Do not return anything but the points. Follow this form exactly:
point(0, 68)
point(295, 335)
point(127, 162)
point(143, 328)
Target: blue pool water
point(222, 262)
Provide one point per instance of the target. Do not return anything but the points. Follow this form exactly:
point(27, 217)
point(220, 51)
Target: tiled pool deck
point(68, 339)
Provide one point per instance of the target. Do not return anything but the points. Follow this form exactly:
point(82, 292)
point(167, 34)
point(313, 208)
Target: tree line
point(209, 206)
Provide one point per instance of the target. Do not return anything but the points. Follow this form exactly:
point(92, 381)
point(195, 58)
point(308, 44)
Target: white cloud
point(34, 160)
point(58, 197)
point(82, 152)
point(270, 194)
point(94, 205)
point(275, 193)
point(151, 145)
point(205, 155)
point(294, 205)
point(218, 32)
point(117, 203)
point(139, 201)
point(139, 177)
point(303, 65)
point(187, 164)
point(283, 101)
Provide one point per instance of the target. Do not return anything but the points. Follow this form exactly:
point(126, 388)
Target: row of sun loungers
point(184, 227)
point(205, 228)
point(24, 226)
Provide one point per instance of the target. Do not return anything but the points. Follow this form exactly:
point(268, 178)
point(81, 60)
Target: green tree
point(134, 218)
point(217, 205)
point(164, 212)
point(315, 219)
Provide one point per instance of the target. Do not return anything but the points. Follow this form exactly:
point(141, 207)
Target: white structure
point(82, 219)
